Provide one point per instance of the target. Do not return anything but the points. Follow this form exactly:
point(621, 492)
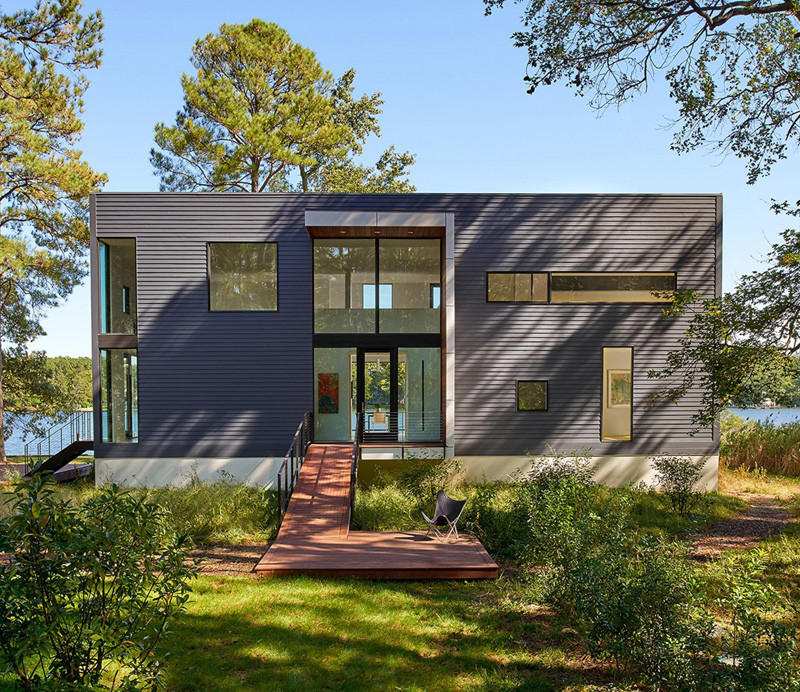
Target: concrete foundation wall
point(609, 470)
point(615, 471)
point(137, 472)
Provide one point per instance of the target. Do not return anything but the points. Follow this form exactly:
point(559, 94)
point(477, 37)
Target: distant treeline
point(782, 388)
point(34, 382)
point(74, 374)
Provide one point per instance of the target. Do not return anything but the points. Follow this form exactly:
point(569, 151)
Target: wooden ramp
point(314, 537)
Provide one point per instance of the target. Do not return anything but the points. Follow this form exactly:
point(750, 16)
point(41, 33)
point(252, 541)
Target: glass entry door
point(377, 394)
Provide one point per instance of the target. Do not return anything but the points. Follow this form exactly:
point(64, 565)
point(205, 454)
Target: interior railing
point(293, 462)
point(405, 426)
point(79, 425)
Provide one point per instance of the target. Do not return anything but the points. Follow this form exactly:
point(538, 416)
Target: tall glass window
point(421, 394)
point(617, 407)
point(117, 286)
point(243, 276)
point(411, 267)
point(343, 271)
point(119, 394)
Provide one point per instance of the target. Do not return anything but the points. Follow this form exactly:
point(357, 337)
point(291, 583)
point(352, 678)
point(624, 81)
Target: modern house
point(478, 326)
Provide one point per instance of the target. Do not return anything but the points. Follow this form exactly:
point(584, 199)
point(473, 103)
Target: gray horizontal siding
point(562, 343)
point(228, 384)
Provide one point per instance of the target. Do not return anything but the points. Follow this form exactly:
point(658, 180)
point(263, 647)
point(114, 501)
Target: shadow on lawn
point(304, 634)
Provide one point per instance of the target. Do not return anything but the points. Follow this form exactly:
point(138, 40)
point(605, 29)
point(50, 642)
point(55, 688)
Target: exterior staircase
point(60, 445)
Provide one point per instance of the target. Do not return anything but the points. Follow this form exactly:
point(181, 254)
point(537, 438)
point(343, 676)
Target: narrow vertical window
point(117, 263)
point(436, 296)
point(119, 395)
point(617, 406)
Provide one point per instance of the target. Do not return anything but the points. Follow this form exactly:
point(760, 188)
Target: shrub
point(760, 649)
point(498, 514)
point(678, 477)
point(89, 590)
point(556, 466)
point(643, 613)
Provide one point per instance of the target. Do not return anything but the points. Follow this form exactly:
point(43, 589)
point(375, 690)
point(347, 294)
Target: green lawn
point(320, 634)
point(306, 634)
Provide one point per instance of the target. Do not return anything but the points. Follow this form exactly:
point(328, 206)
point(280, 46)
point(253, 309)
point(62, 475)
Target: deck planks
point(314, 538)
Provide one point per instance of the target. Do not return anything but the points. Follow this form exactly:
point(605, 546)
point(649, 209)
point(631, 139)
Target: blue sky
point(452, 82)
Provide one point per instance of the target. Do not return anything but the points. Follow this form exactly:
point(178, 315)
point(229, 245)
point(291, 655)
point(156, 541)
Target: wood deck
point(315, 539)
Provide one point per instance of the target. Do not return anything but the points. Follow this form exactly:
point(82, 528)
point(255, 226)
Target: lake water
point(776, 415)
point(15, 445)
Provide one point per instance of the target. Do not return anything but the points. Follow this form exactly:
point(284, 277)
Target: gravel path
point(764, 518)
point(224, 560)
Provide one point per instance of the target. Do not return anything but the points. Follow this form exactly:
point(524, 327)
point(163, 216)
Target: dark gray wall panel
point(235, 384)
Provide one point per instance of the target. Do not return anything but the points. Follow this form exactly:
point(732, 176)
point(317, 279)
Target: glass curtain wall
point(346, 290)
point(419, 394)
point(117, 286)
point(420, 397)
point(119, 395)
point(412, 269)
point(342, 270)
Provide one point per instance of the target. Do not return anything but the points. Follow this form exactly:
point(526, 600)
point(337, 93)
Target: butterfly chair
point(448, 512)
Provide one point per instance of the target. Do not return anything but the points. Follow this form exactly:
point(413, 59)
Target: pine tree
point(44, 183)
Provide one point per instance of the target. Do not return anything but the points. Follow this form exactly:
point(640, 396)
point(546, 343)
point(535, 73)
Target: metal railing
point(79, 425)
point(354, 464)
point(293, 462)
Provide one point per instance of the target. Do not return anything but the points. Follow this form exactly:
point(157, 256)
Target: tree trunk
point(3, 458)
point(303, 178)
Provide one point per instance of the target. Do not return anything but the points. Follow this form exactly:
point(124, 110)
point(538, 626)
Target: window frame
point(432, 288)
point(613, 302)
point(550, 300)
point(546, 395)
point(105, 427)
point(104, 296)
point(517, 302)
point(209, 243)
point(603, 372)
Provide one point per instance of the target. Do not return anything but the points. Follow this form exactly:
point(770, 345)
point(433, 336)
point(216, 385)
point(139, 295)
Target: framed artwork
point(619, 388)
point(328, 392)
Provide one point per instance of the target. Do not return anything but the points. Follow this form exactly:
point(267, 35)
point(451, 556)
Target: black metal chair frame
point(448, 512)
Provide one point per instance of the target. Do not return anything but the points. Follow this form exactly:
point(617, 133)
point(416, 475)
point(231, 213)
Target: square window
point(532, 395)
point(243, 276)
point(368, 297)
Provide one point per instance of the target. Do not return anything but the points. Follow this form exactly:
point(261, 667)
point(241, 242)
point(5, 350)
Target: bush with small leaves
point(759, 647)
point(556, 466)
point(89, 589)
point(678, 477)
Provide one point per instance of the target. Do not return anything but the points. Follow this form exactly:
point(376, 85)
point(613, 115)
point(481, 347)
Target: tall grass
point(760, 445)
point(501, 514)
point(221, 512)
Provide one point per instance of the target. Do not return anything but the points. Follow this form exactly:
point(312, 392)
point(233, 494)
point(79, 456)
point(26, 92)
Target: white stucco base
point(610, 470)
point(261, 471)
